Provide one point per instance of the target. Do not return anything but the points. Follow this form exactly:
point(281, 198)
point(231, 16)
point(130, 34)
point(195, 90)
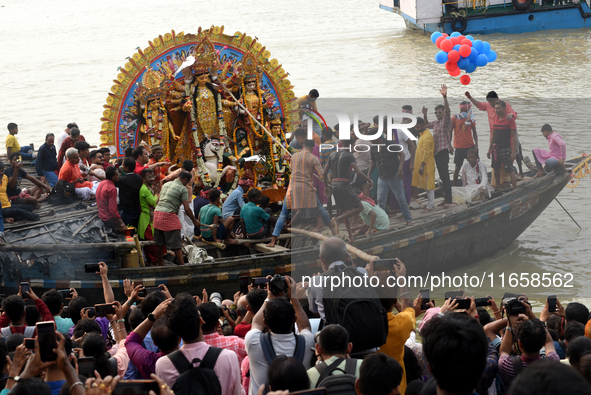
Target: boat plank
point(262, 247)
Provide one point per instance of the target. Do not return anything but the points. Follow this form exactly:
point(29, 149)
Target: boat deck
point(83, 212)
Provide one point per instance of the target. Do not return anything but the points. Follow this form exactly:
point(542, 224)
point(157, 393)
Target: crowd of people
point(284, 337)
point(143, 190)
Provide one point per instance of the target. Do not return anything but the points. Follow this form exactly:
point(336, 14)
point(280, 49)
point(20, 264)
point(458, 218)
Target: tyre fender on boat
point(522, 6)
point(459, 23)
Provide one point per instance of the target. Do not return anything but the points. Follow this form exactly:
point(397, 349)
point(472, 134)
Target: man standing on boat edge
point(442, 129)
point(167, 226)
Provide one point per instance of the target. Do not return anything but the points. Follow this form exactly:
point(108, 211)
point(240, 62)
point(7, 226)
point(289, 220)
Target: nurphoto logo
point(344, 134)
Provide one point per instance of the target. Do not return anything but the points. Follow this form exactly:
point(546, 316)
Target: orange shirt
point(70, 173)
point(462, 134)
point(160, 171)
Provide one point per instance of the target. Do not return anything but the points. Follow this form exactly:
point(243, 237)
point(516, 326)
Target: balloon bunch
point(462, 53)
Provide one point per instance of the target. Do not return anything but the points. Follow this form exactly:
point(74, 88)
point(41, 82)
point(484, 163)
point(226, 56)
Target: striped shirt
point(508, 372)
point(442, 131)
point(173, 194)
point(302, 193)
point(490, 110)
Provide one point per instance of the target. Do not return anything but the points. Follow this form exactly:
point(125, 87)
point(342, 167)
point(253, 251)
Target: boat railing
point(465, 7)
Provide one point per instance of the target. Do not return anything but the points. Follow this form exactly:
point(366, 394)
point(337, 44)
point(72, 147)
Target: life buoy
point(522, 6)
point(463, 23)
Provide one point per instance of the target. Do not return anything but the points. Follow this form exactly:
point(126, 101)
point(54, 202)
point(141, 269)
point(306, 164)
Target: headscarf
point(466, 113)
point(247, 182)
point(205, 192)
point(432, 312)
point(367, 199)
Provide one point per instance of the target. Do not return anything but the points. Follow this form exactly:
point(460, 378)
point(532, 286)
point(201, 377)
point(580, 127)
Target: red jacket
point(45, 315)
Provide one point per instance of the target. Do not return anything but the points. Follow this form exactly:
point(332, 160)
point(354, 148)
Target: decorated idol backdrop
point(215, 99)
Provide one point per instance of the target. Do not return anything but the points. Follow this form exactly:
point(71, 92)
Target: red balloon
point(439, 40)
point(451, 66)
point(454, 40)
point(466, 42)
point(446, 45)
point(460, 37)
point(444, 35)
point(455, 73)
point(465, 79)
point(453, 56)
point(465, 51)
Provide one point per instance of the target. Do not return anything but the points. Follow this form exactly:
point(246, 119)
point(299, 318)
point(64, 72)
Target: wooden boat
point(431, 245)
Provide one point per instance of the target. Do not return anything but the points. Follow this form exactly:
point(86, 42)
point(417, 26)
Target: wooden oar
point(353, 250)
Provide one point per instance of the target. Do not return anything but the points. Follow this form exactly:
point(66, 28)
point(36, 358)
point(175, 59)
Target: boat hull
point(570, 16)
point(458, 239)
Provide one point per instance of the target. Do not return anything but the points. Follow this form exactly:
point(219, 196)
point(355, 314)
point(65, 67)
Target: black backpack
point(269, 351)
point(340, 384)
point(357, 309)
point(201, 380)
point(62, 193)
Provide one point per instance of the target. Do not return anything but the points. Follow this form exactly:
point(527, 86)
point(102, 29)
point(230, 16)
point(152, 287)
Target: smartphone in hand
point(25, 287)
point(66, 293)
point(463, 304)
point(481, 302)
point(136, 387)
point(244, 284)
point(384, 265)
point(552, 303)
point(425, 295)
point(91, 268)
point(454, 294)
point(102, 310)
point(86, 366)
point(47, 340)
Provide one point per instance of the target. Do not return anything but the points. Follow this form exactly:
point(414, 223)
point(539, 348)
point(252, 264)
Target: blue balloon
point(463, 63)
point(473, 54)
point(471, 67)
point(455, 34)
point(486, 48)
point(481, 60)
point(491, 55)
point(478, 45)
point(435, 36)
point(457, 47)
point(470, 38)
point(441, 57)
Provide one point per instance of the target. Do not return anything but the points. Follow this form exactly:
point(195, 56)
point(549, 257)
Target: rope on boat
point(353, 250)
point(571, 217)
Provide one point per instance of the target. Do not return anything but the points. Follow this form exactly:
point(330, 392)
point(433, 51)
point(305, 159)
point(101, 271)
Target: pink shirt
point(226, 368)
point(490, 110)
point(557, 149)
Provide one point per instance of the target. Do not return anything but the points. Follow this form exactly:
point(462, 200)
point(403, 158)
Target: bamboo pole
point(353, 250)
point(242, 107)
point(80, 247)
point(221, 246)
point(138, 247)
point(51, 234)
point(83, 225)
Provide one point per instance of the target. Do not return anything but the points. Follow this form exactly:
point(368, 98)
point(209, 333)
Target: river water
point(58, 60)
